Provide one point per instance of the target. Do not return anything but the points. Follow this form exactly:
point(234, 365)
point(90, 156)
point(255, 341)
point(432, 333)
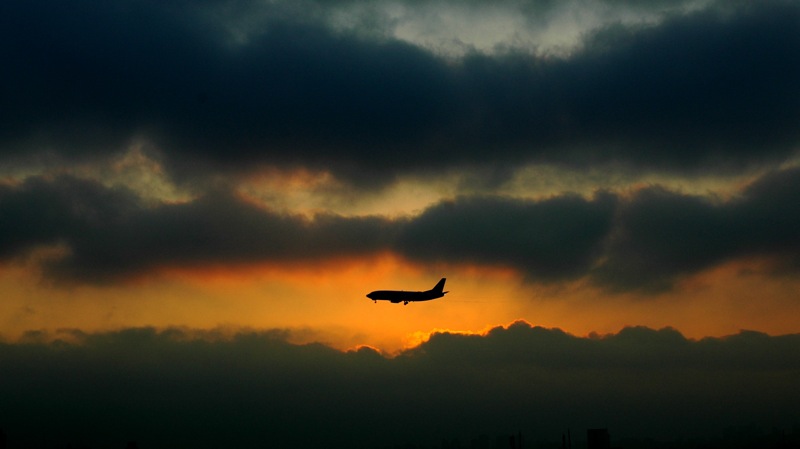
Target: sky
point(196, 196)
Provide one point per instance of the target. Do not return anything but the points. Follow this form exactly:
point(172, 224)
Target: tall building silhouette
point(515, 443)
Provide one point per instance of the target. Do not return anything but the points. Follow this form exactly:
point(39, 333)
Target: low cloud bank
point(178, 387)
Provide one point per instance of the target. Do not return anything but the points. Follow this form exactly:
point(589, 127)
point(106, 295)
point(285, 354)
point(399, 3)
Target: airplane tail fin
point(440, 286)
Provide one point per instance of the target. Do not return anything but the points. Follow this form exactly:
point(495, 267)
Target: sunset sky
point(196, 196)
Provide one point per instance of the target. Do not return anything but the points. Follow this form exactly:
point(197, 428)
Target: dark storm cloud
point(186, 388)
point(45, 212)
point(109, 234)
point(643, 242)
point(293, 94)
point(660, 235)
point(550, 239)
point(84, 79)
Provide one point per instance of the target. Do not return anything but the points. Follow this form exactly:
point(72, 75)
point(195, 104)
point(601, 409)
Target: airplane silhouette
point(397, 296)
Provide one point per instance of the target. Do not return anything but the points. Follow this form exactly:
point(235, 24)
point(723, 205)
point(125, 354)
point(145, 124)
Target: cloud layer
point(717, 85)
point(216, 89)
point(179, 387)
point(646, 240)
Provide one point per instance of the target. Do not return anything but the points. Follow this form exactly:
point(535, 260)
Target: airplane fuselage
point(397, 296)
point(400, 295)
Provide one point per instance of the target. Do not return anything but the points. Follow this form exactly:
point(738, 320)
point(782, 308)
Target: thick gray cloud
point(550, 239)
point(176, 387)
point(46, 212)
point(659, 235)
point(85, 79)
point(110, 234)
point(643, 242)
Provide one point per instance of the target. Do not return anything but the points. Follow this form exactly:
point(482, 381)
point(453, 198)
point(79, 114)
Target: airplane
point(397, 296)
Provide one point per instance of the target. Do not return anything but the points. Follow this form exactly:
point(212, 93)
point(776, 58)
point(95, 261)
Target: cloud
point(645, 241)
point(204, 388)
point(109, 234)
point(552, 239)
point(44, 211)
point(660, 235)
point(694, 88)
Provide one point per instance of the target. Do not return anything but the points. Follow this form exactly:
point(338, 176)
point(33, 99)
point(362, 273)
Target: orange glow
point(331, 296)
point(325, 302)
point(719, 301)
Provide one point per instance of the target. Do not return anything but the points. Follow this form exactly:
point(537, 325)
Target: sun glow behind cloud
point(325, 302)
